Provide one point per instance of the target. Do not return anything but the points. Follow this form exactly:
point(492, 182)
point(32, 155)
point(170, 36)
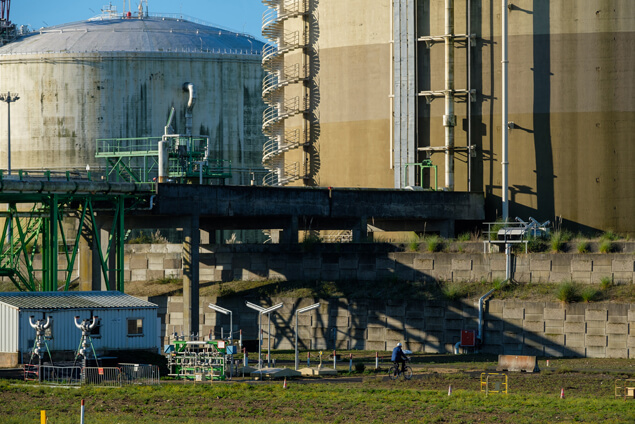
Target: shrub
point(606, 283)
point(584, 247)
point(536, 244)
point(360, 367)
point(433, 243)
point(606, 246)
point(567, 292)
point(589, 294)
point(453, 291)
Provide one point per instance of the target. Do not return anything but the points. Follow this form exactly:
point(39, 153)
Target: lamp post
point(225, 312)
point(299, 311)
point(9, 98)
point(263, 311)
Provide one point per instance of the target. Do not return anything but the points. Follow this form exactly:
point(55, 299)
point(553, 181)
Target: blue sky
point(238, 15)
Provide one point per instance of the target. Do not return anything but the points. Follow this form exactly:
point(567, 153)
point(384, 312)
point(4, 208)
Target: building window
point(135, 326)
point(96, 331)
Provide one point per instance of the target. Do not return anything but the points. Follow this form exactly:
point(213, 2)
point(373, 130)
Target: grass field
point(364, 398)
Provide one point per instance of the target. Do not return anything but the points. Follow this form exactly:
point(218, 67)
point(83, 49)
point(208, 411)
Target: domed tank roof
point(150, 34)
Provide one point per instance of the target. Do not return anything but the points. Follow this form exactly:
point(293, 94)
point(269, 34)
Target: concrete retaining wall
point(371, 262)
point(510, 327)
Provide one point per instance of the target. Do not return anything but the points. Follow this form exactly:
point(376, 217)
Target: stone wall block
point(623, 265)
point(540, 264)
point(595, 341)
point(139, 261)
point(596, 315)
point(514, 313)
point(581, 265)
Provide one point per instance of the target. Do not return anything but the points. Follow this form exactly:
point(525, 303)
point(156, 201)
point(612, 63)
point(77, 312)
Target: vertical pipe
point(504, 130)
point(53, 225)
point(296, 341)
point(448, 117)
point(469, 95)
point(391, 97)
point(9, 133)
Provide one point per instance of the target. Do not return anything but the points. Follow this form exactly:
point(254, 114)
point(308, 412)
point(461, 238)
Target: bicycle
point(395, 371)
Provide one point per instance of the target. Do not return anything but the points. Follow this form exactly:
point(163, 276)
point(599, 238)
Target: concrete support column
point(360, 231)
point(191, 276)
point(447, 229)
point(86, 259)
point(290, 233)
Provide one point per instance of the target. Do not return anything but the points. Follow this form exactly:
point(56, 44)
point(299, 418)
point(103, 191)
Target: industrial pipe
point(504, 129)
point(481, 303)
point(189, 87)
point(449, 120)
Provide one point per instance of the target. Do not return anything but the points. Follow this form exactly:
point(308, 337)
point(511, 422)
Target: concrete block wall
point(367, 262)
point(603, 330)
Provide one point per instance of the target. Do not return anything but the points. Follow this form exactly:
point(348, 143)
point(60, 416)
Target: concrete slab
point(316, 372)
point(275, 373)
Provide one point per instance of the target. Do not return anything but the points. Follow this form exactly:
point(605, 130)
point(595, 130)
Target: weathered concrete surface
point(572, 79)
point(237, 207)
point(539, 329)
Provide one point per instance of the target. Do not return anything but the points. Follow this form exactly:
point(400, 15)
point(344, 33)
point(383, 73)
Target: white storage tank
point(119, 78)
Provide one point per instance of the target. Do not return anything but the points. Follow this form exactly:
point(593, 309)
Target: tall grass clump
point(567, 292)
point(588, 294)
point(558, 240)
point(464, 237)
point(413, 245)
point(433, 243)
point(498, 284)
point(606, 283)
point(609, 235)
point(583, 247)
point(606, 246)
point(453, 291)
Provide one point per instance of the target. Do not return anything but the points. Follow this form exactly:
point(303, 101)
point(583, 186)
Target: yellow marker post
point(42, 417)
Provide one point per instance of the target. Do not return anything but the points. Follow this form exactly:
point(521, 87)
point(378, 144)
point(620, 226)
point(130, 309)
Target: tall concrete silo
point(119, 77)
point(389, 95)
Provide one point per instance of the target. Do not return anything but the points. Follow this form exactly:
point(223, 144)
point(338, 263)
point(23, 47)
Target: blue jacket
point(397, 354)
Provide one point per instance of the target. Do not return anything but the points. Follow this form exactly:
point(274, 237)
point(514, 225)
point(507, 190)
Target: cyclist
point(398, 356)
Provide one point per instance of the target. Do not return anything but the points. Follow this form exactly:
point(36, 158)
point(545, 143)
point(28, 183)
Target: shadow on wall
point(348, 321)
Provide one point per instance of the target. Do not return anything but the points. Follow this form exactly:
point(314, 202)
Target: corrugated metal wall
point(9, 328)
point(113, 333)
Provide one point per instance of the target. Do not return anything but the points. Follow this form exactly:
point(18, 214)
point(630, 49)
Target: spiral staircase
point(280, 108)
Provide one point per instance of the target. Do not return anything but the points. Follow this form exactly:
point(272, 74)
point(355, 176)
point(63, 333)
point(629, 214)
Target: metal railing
point(139, 374)
point(124, 374)
point(54, 375)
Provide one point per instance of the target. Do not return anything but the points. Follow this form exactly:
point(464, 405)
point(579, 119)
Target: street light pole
point(262, 311)
point(225, 312)
point(299, 311)
point(8, 99)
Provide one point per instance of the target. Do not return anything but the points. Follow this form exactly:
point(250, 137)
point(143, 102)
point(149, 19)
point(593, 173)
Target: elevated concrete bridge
point(205, 208)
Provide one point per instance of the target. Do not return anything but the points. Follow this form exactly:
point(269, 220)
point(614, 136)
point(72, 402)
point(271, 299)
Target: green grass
point(606, 283)
point(532, 399)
